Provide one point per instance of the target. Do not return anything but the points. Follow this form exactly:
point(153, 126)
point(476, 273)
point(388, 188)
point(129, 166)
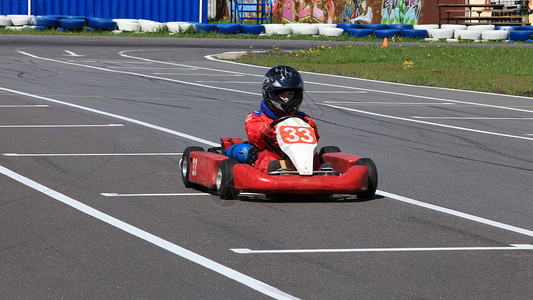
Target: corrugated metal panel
point(155, 10)
point(13, 7)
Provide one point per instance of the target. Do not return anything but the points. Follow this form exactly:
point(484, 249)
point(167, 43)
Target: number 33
point(297, 135)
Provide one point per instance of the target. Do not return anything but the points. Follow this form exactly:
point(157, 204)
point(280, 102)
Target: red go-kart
point(345, 174)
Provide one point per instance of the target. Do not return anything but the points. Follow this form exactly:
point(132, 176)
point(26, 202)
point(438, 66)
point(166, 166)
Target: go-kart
point(344, 174)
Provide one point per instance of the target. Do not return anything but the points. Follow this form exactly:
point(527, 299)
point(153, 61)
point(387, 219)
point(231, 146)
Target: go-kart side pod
point(342, 162)
point(200, 167)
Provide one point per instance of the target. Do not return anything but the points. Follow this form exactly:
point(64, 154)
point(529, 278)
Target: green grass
point(488, 69)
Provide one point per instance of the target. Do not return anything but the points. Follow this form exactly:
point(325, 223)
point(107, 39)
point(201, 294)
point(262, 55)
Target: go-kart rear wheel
point(328, 149)
point(185, 164)
point(225, 185)
point(372, 178)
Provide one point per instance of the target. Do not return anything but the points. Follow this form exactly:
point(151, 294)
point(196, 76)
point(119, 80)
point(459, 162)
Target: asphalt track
point(93, 207)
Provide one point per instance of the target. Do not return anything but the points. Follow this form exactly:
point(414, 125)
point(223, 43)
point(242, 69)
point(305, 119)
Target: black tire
point(185, 164)
point(372, 178)
point(328, 149)
point(225, 185)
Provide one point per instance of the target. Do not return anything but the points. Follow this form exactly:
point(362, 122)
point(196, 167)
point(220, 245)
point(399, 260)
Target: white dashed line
point(470, 118)
point(155, 240)
point(23, 106)
point(88, 154)
point(289, 251)
point(153, 195)
point(430, 123)
point(388, 103)
point(59, 126)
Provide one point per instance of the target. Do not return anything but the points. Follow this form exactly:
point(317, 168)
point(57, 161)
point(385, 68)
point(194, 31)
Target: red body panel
point(249, 179)
point(341, 161)
point(353, 179)
point(203, 168)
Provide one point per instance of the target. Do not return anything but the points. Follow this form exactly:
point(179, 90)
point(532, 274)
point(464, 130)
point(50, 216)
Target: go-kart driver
point(283, 89)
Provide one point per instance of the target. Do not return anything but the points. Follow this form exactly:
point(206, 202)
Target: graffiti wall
point(343, 11)
point(326, 11)
point(530, 10)
point(401, 11)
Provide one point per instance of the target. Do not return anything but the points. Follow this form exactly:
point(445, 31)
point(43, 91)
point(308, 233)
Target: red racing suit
point(266, 144)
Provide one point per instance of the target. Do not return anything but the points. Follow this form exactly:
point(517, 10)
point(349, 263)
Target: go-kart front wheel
point(185, 164)
point(372, 178)
point(225, 185)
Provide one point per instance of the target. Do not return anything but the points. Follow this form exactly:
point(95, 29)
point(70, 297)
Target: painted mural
point(326, 11)
point(401, 11)
point(304, 11)
point(346, 11)
point(357, 11)
point(530, 11)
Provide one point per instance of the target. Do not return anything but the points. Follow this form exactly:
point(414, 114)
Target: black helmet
point(277, 80)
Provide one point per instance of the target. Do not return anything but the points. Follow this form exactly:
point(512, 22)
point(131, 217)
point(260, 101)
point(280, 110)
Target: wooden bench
point(454, 7)
point(490, 20)
point(479, 11)
point(487, 18)
point(471, 14)
point(497, 23)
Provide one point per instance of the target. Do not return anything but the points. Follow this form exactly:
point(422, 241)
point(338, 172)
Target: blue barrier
point(360, 32)
point(155, 10)
point(387, 33)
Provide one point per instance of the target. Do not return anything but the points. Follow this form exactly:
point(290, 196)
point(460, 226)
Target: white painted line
point(209, 75)
point(123, 54)
point(337, 92)
point(84, 61)
point(153, 195)
point(214, 58)
point(289, 251)
point(388, 103)
point(155, 127)
point(59, 126)
point(23, 106)
point(193, 138)
point(382, 193)
point(135, 62)
point(70, 53)
point(145, 68)
point(165, 194)
point(227, 82)
point(469, 118)
point(157, 241)
point(88, 154)
point(457, 213)
point(430, 123)
point(143, 75)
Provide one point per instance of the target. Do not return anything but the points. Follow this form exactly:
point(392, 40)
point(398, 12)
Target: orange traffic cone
point(385, 43)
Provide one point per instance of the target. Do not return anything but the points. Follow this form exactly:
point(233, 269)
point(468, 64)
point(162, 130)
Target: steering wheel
point(281, 119)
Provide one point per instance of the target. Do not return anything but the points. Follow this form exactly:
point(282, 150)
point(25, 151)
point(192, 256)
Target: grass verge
point(487, 69)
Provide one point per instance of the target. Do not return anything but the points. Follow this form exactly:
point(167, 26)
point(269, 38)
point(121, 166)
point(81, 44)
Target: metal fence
point(155, 10)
